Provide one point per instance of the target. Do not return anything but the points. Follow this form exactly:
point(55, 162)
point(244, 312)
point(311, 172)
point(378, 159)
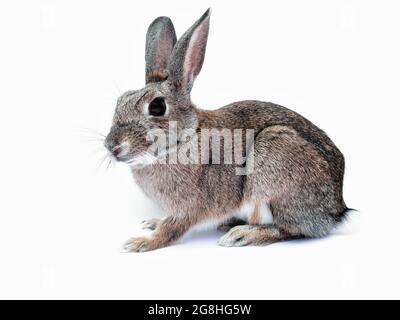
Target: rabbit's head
point(171, 68)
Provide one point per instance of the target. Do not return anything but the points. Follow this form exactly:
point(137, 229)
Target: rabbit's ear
point(160, 41)
point(188, 55)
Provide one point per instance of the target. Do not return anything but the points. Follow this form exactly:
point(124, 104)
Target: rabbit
point(297, 175)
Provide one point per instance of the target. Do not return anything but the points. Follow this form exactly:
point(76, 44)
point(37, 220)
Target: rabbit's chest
point(184, 189)
point(174, 188)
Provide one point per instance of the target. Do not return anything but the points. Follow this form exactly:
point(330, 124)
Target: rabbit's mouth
point(125, 159)
point(140, 160)
point(122, 153)
point(146, 158)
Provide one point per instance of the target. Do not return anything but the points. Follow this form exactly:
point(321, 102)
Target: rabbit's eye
point(157, 107)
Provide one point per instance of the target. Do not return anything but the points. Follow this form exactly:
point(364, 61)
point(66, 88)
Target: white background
point(63, 217)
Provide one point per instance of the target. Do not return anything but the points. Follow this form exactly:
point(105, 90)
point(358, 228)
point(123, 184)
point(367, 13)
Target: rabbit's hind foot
point(254, 235)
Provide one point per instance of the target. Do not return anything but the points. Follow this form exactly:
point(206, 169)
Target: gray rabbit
point(294, 189)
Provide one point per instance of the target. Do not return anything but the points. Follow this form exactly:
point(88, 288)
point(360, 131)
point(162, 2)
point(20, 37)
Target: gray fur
point(179, 77)
point(298, 170)
point(160, 41)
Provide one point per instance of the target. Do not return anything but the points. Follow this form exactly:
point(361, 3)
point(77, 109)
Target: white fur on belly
point(247, 209)
point(266, 214)
point(244, 213)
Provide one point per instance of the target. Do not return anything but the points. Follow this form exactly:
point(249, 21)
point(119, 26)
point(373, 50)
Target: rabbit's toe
point(140, 244)
point(150, 224)
point(237, 237)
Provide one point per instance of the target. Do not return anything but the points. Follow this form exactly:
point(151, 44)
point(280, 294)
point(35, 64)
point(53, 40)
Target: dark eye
point(157, 107)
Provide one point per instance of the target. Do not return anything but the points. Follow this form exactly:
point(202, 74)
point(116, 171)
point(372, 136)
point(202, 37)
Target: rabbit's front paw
point(140, 244)
point(150, 224)
point(238, 236)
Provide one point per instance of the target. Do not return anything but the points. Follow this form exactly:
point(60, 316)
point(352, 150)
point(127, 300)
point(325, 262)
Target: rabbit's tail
point(345, 222)
point(345, 214)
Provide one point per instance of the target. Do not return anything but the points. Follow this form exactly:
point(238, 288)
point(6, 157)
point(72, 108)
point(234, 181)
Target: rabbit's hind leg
point(291, 176)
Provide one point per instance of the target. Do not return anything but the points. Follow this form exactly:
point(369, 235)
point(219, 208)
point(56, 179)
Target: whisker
point(94, 139)
point(109, 163)
point(117, 88)
point(92, 131)
point(101, 162)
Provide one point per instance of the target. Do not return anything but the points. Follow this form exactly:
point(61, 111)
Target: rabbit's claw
point(238, 236)
point(150, 224)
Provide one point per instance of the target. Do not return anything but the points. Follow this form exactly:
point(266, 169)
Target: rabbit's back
point(258, 115)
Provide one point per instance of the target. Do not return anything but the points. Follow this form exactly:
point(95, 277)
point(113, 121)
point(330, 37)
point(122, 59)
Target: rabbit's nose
point(116, 151)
